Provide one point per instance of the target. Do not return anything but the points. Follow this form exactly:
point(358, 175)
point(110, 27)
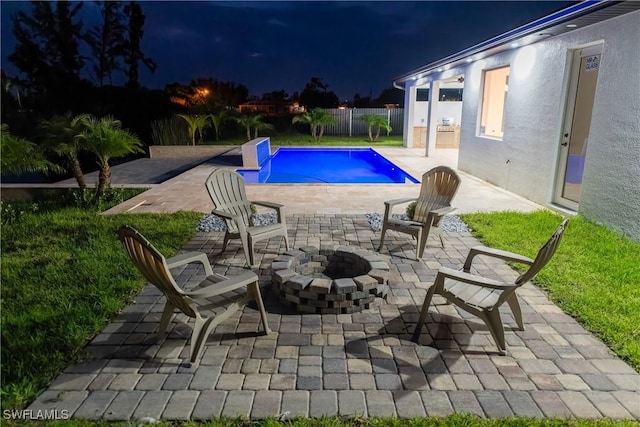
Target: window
point(449, 94)
point(494, 96)
point(422, 94)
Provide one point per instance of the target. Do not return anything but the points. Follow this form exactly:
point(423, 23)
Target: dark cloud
point(356, 46)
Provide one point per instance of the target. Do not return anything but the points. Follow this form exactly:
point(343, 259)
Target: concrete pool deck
point(187, 191)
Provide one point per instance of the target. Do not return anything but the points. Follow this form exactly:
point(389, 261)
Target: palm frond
point(19, 155)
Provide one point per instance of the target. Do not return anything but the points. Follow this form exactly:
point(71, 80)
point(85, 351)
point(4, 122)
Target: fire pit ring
point(337, 280)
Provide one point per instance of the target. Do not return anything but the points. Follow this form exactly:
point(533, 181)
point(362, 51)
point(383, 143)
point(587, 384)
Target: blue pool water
point(327, 165)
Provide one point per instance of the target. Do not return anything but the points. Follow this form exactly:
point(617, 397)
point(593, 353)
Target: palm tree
point(377, 122)
point(59, 137)
point(11, 88)
point(107, 140)
point(196, 123)
point(18, 155)
point(317, 119)
point(253, 122)
point(217, 119)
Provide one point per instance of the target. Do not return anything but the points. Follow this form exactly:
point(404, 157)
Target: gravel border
point(210, 222)
point(450, 223)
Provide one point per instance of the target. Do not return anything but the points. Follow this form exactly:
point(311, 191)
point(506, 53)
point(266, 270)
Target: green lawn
point(594, 276)
point(289, 139)
point(64, 275)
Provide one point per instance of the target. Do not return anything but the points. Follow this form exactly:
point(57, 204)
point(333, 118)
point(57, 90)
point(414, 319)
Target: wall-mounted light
point(514, 44)
point(469, 59)
point(572, 26)
point(524, 63)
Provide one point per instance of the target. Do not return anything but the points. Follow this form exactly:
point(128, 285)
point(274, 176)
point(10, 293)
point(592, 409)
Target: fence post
point(350, 121)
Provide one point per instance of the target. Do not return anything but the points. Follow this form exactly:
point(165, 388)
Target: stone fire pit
point(341, 280)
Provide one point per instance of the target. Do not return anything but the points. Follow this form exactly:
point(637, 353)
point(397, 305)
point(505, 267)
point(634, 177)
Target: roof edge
point(556, 18)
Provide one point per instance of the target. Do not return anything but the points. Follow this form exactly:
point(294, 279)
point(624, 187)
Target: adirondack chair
point(211, 302)
point(483, 297)
point(439, 185)
point(226, 189)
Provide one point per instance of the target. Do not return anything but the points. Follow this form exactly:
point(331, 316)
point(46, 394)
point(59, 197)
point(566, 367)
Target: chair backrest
point(544, 254)
point(439, 185)
point(153, 267)
point(226, 189)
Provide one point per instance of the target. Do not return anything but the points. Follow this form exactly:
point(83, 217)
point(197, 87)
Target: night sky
point(355, 47)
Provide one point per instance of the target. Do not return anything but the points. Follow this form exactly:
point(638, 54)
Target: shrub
point(411, 209)
point(171, 131)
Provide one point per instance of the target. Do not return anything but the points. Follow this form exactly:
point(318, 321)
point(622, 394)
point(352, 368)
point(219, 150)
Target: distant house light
point(469, 59)
point(514, 44)
point(572, 26)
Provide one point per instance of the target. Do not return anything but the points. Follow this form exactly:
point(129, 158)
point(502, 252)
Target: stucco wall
point(524, 162)
point(611, 188)
point(445, 110)
point(420, 113)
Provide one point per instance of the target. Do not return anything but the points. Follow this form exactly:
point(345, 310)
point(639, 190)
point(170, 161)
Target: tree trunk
point(377, 134)
point(76, 171)
point(370, 135)
point(104, 177)
point(314, 131)
point(321, 132)
point(248, 134)
point(255, 133)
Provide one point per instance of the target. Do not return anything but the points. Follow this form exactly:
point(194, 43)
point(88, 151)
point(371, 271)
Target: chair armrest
point(225, 215)
point(443, 211)
point(275, 206)
point(271, 205)
point(237, 219)
point(495, 253)
point(189, 257)
point(389, 204)
point(462, 276)
point(211, 286)
point(399, 201)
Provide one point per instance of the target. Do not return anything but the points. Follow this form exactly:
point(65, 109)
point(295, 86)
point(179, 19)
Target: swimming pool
point(326, 166)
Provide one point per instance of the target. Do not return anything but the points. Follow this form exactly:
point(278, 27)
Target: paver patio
point(364, 363)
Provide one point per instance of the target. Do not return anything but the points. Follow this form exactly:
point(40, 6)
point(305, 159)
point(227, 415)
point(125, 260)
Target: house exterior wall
point(525, 160)
point(611, 188)
point(452, 109)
